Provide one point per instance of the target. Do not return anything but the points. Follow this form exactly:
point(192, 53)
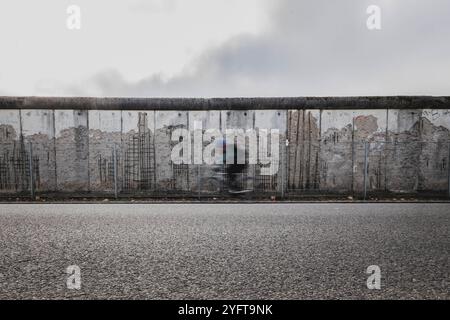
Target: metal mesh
point(139, 163)
point(15, 169)
point(129, 168)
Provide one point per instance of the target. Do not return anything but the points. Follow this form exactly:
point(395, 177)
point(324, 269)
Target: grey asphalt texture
point(224, 251)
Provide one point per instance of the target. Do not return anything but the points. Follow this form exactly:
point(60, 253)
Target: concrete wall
point(73, 149)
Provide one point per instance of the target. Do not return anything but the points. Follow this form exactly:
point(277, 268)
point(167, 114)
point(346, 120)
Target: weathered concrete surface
point(304, 149)
point(38, 129)
point(105, 134)
point(73, 148)
point(201, 175)
point(170, 176)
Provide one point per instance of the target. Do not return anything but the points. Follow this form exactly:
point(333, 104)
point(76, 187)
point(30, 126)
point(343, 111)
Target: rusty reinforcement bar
point(194, 104)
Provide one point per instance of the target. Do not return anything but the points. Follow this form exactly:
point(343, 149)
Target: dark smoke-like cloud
point(314, 48)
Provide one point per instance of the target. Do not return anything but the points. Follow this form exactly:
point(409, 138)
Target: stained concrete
point(73, 148)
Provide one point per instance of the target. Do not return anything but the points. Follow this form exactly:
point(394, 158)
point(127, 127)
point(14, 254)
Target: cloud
point(317, 48)
point(152, 5)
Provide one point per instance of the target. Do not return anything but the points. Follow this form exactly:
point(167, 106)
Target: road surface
point(224, 251)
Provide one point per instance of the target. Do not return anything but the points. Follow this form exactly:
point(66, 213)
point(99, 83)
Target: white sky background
point(207, 48)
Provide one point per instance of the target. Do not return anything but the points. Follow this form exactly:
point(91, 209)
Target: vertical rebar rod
point(199, 181)
point(282, 168)
point(115, 170)
point(31, 170)
point(353, 159)
point(448, 169)
point(366, 151)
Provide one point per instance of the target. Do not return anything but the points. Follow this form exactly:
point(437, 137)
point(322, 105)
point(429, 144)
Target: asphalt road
point(224, 251)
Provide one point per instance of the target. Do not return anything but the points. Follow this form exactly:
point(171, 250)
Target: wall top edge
point(269, 103)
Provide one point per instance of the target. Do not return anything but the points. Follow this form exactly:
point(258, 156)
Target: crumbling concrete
point(322, 143)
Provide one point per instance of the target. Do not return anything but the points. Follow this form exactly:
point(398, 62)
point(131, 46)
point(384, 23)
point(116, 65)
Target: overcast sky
point(224, 48)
